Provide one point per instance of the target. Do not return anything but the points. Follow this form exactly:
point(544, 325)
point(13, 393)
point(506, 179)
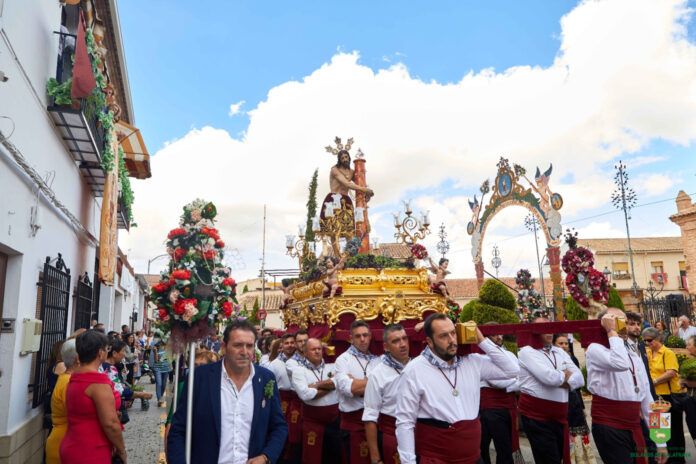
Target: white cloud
point(236, 108)
point(643, 160)
point(657, 184)
point(624, 75)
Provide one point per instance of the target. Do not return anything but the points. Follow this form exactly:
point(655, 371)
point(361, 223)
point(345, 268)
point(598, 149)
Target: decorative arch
point(537, 198)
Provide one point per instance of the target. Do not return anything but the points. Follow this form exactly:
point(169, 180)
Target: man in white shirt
point(314, 383)
point(236, 409)
point(352, 370)
point(621, 398)
point(498, 413)
point(294, 404)
point(277, 366)
point(686, 330)
point(441, 391)
point(546, 376)
point(381, 393)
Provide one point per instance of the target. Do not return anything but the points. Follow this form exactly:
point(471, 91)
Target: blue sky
point(188, 62)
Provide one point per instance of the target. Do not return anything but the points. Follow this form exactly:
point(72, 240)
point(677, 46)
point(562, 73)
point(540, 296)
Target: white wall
point(28, 57)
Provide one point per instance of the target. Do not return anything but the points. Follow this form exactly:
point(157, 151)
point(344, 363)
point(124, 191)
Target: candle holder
point(409, 229)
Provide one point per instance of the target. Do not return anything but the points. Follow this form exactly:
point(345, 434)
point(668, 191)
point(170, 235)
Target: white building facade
point(50, 208)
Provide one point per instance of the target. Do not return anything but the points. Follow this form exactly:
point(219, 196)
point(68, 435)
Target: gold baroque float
point(394, 294)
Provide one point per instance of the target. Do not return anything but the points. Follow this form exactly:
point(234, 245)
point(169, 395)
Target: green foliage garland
point(311, 206)
point(126, 189)
point(365, 261)
point(59, 92)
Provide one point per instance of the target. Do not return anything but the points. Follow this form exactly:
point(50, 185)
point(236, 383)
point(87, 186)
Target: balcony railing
point(78, 122)
point(122, 215)
point(659, 278)
point(620, 275)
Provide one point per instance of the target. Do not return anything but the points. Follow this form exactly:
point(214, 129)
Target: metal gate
point(83, 303)
point(667, 309)
point(55, 297)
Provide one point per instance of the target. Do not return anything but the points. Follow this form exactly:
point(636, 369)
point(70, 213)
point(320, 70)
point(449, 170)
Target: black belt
point(434, 423)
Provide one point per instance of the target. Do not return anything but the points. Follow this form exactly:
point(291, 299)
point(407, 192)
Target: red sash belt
point(496, 398)
point(460, 443)
point(353, 424)
point(315, 420)
point(291, 405)
point(547, 410)
point(622, 415)
point(390, 451)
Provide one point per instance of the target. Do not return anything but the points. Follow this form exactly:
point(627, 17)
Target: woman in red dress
point(94, 429)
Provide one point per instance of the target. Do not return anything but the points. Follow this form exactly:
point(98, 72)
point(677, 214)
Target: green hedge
point(573, 310)
point(687, 369)
point(481, 313)
point(496, 294)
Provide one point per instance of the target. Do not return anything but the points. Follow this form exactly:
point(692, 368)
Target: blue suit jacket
point(268, 428)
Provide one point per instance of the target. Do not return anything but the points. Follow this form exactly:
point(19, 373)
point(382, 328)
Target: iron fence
point(55, 297)
point(83, 302)
point(668, 309)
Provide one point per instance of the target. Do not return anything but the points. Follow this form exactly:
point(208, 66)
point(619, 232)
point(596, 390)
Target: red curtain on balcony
point(83, 81)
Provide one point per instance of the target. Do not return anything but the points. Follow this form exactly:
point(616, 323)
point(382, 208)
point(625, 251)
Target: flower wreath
point(584, 282)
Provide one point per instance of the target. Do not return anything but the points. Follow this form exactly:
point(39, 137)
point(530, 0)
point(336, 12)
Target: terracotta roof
point(468, 288)
point(151, 279)
point(638, 244)
point(274, 298)
point(394, 250)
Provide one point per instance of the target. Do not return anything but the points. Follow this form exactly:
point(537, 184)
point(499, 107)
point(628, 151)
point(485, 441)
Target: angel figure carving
point(475, 210)
point(331, 281)
point(437, 282)
point(542, 188)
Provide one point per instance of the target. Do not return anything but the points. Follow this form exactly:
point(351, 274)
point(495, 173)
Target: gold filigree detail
point(364, 309)
point(315, 312)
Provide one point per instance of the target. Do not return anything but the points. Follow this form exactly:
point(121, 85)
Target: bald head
point(684, 322)
point(313, 351)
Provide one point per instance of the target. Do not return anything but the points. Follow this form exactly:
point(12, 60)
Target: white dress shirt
point(609, 374)
point(290, 364)
point(302, 378)
point(348, 364)
point(541, 374)
point(264, 361)
point(381, 392)
point(509, 385)
point(236, 413)
point(684, 334)
point(277, 366)
point(425, 393)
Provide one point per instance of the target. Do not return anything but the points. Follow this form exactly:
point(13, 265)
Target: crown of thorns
point(339, 146)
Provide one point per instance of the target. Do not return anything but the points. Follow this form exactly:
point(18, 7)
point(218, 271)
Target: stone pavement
point(145, 431)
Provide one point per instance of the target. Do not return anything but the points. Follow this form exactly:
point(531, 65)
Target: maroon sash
point(547, 410)
point(460, 443)
point(387, 425)
point(352, 423)
point(496, 398)
point(291, 405)
point(622, 415)
point(314, 422)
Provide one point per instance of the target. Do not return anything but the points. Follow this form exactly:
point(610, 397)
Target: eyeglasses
point(648, 340)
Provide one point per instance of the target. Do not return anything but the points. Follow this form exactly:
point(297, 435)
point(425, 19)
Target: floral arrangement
point(529, 302)
point(453, 311)
point(586, 284)
point(418, 251)
point(196, 292)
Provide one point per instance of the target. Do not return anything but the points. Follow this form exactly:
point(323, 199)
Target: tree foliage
point(614, 300)
point(495, 293)
point(311, 206)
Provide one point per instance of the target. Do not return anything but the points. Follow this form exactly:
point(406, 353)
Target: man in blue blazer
point(236, 409)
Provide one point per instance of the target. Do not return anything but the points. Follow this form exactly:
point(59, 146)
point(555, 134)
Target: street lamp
point(624, 198)
point(443, 245)
point(152, 260)
point(607, 274)
point(532, 223)
point(496, 261)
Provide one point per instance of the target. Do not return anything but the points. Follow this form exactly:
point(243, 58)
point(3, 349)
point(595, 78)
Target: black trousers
point(496, 425)
point(546, 439)
point(649, 444)
point(614, 445)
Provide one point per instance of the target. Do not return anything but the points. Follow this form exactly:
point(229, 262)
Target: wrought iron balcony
point(78, 122)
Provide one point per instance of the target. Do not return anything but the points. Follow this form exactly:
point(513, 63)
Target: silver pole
point(263, 268)
point(176, 382)
point(189, 401)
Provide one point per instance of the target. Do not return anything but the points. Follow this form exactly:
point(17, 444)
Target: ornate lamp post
point(607, 274)
point(496, 261)
point(624, 198)
point(409, 229)
point(443, 245)
point(532, 225)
